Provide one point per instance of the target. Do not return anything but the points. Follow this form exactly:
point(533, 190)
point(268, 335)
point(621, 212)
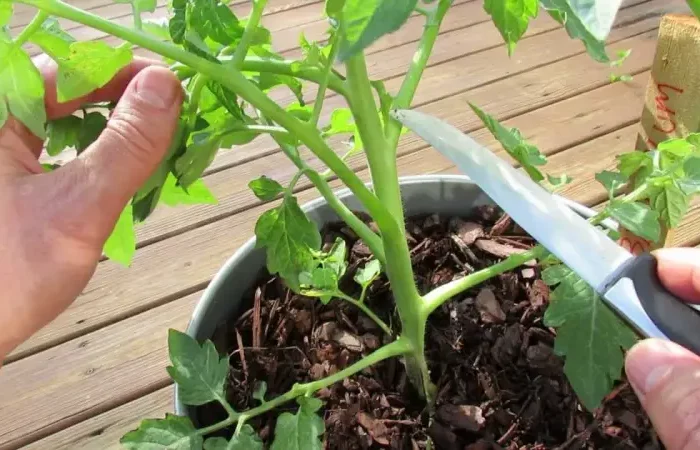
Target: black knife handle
point(672, 315)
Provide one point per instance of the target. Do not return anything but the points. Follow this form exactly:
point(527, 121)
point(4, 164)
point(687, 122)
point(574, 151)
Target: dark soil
point(500, 384)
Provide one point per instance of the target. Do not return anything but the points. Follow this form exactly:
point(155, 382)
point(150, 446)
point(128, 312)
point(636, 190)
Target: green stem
point(327, 71)
point(396, 348)
point(138, 24)
point(250, 29)
point(198, 84)
point(415, 72)
point(440, 295)
point(238, 83)
point(398, 267)
point(238, 128)
point(31, 28)
point(367, 311)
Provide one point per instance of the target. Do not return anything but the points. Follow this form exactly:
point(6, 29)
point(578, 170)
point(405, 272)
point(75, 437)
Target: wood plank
point(104, 430)
point(89, 375)
point(89, 312)
point(75, 396)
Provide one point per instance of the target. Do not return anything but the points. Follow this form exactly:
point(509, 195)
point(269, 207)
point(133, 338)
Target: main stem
point(398, 266)
point(249, 33)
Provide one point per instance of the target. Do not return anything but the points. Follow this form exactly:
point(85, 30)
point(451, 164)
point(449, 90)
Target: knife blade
point(615, 274)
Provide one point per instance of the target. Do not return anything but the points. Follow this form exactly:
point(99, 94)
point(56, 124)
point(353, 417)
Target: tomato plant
point(228, 67)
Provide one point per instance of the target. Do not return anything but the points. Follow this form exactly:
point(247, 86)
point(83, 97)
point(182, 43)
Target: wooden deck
point(99, 368)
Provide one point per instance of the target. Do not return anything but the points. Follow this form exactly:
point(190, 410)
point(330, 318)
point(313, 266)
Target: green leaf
point(265, 188)
point(178, 22)
point(21, 88)
point(589, 335)
point(93, 124)
point(196, 193)
point(5, 12)
point(62, 134)
point(695, 6)
point(199, 155)
point(141, 5)
point(622, 55)
point(290, 239)
point(612, 181)
point(227, 98)
point(623, 78)
point(587, 20)
point(300, 431)
point(512, 141)
point(90, 65)
point(558, 181)
point(268, 80)
point(52, 39)
point(246, 439)
point(197, 369)
point(637, 218)
point(368, 20)
point(671, 203)
point(512, 18)
point(630, 163)
point(213, 19)
point(365, 276)
point(172, 433)
point(334, 7)
point(690, 183)
point(260, 391)
point(555, 274)
point(342, 121)
point(158, 28)
point(121, 244)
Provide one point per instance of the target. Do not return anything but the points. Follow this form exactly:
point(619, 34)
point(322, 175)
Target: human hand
point(666, 376)
point(54, 224)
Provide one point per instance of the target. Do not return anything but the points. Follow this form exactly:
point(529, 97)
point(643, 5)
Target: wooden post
point(671, 107)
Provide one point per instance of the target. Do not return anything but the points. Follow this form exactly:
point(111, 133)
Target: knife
point(627, 283)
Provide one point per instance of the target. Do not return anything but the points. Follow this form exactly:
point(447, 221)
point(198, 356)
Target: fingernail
point(158, 87)
point(650, 362)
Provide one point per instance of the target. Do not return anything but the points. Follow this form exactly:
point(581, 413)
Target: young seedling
point(228, 70)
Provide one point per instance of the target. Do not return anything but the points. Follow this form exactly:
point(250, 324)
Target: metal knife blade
point(587, 250)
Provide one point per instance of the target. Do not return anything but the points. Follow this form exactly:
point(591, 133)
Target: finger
point(112, 91)
point(666, 378)
point(110, 171)
point(679, 271)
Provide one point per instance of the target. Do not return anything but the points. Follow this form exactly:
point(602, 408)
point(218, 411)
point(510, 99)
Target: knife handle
point(671, 314)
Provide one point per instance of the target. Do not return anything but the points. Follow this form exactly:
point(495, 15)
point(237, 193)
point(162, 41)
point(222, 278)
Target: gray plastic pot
point(449, 195)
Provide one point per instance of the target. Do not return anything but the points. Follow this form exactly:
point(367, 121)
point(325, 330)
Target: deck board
point(90, 375)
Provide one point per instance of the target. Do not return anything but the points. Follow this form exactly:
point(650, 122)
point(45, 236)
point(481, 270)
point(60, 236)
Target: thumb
point(679, 271)
point(110, 171)
point(666, 377)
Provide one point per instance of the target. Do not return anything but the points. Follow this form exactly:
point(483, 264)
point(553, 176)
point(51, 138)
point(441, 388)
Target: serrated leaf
point(690, 183)
point(213, 19)
point(265, 188)
point(630, 163)
point(198, 370)
point(587, 20)
point(268, 80)
point(172, 433)
point(558, 181)
point(637, 217)
point(300, 431)
point(52, 39)
point(246, 439)
point(89, 65)
point(199, 155)
point(5, 12)
point(21, 88)
point(671, 203)
point(196, 193)
point(590, 336)
point(368, 20)
point(290, 240)
point(366, 275)
point(612, 181)
point(512, 18)
point(227, 98)
point(512, 141)
point(555, 274)
point(121, 244)
point(62, 134)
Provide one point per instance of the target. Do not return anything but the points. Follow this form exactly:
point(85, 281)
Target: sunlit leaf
point(265, 188)
point(300, 431)
point(121, 244)
point(612, 181)
point(512, 18)
point(366, 275)
point(671, 203)
point(636, 217)
point(52, 39)
point(172, 433)
point(245, 439)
